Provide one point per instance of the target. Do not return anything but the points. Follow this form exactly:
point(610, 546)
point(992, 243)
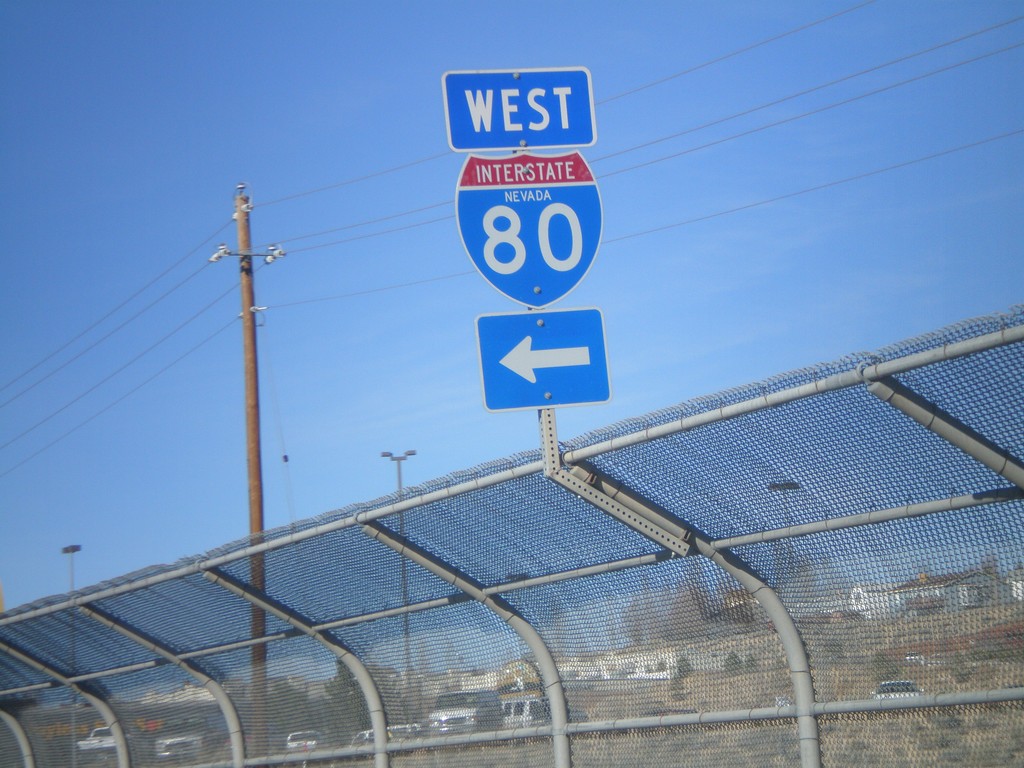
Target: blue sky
point(776, 192)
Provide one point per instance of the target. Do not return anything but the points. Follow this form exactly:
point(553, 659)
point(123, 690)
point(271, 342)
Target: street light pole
point(70, 552)
point(398, 459)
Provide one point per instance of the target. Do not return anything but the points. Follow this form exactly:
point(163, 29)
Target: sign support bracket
point(549, 442)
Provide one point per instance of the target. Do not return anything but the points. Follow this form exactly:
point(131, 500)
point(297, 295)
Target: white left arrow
point(523, 360)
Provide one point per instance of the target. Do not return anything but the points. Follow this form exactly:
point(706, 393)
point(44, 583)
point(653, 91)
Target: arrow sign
point(523, 360)
point(543, 359)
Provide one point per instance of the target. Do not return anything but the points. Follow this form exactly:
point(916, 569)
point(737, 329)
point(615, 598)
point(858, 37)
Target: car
point(98, 749)
point(362, 738)
point(404, 731)
point(101, 739)
point(304, 741)
point(897, 689)
point(185, 746)
point(398, 731)
point(188, 739)
point(466, 711)
point(525, 711)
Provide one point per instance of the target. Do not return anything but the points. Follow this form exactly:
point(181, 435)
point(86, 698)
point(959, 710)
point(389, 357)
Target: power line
point(373, 234)
point(357, 179)
point(141, 290)
point(268, 358)
point(382, 289)
point(733, 54)
point(807, 91)
point(413, 163)
point(694, 220)
point(366, 223)
point(103, 338)
point(448, 217)
point(813, 112)
point(652, 84)
point(107, 378)
point(691, 149)
point(819, 187)
point(116, 402)
point(695, 129)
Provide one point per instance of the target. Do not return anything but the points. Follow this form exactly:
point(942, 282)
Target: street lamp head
point(393, 457)
point(71, 549)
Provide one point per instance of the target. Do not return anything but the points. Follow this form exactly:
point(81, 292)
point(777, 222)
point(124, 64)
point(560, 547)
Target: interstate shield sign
point(531, 224)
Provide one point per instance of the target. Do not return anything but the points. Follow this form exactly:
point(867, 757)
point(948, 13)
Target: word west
point(481, 108)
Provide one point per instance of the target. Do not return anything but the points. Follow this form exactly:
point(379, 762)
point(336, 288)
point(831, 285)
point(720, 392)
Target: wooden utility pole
point(252, 422)
point(252, 387)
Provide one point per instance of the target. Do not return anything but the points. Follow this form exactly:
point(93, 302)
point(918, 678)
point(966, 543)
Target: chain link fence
point(822, 569)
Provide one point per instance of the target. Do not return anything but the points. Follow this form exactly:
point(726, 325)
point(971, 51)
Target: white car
point(101, 739)
point(305, 741)
point(399, 731)
point(182, 747)
point(464, 711)
point(525, 712)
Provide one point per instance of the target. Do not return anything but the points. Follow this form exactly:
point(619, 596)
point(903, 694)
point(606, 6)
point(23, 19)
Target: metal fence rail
point(821, 569)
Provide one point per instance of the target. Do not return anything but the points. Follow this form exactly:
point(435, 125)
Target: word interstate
point(525, 169)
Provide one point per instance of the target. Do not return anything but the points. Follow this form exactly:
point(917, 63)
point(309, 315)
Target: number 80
point(510, 236)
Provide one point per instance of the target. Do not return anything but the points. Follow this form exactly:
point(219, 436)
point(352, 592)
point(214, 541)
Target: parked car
point(186, 738)
point(897, 689)
point(98, 749)
point(362, 738)
point(525, 711)
point(304, 741)
point(404, 731)
point(100, 739)
point(465, 711)
point(185, 746)
point(398, 731)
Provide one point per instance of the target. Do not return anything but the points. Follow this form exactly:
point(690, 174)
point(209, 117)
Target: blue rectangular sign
point(543, 359)
point(519, 109)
